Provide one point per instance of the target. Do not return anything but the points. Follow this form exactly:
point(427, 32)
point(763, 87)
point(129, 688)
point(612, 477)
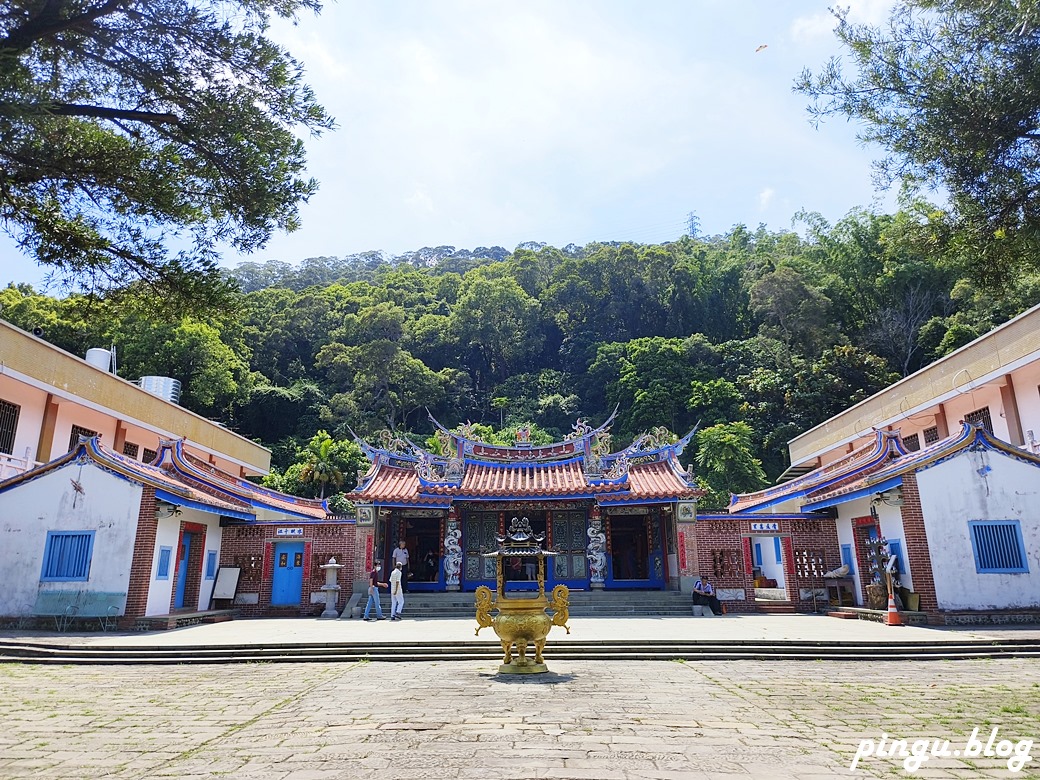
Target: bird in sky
point(763, 46)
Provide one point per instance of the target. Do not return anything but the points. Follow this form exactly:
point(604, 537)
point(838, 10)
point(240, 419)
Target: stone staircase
point(488, 651)
point(616, 603)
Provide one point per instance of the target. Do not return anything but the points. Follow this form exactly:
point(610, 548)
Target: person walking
point(396, 592)
point(400, 556)
point(373, 592)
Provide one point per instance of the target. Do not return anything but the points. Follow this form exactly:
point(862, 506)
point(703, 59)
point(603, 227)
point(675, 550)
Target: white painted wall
point(981, 485)
point(846, 512)
point(771, 569)
point(160, 592)
point(108, 505)
point(891, 518)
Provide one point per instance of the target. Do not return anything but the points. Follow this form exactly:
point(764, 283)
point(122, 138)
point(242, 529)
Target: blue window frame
point(998, 547)
point(895, 550)
point(758, 553)
point(162, 571)
point(211, 564)
point(67, 556)
point(847, 558)
point(776, 550)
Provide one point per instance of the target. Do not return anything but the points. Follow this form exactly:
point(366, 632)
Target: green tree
point(725, 463)
point(328, 463)
point(127, 123)
point(950, 91)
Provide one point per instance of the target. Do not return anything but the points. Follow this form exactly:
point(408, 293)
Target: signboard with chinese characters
point(765, 526)
point(288, 532)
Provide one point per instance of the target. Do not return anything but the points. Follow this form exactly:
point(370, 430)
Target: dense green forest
point(756, 335)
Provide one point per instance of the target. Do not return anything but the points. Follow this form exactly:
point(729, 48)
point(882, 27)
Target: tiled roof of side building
point(135, 471)
point(885, 446)
point(212, 480)
point(969, 437)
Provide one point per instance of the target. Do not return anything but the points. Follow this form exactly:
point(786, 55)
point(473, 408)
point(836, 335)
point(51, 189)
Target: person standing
point(400, 556)
point(396, 592)
point(373, 592)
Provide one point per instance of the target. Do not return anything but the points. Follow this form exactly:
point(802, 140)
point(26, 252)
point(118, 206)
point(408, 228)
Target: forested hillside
point(756, 335)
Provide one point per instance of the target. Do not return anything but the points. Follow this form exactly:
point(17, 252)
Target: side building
point(941, 470)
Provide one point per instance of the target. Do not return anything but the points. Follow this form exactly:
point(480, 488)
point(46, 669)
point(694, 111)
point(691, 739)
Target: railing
point(11, 466)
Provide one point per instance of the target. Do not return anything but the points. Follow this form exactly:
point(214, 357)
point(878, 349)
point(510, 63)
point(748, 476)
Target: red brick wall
point(720, 550)
point(251, 549)
point(144, 551)
point(915, 544)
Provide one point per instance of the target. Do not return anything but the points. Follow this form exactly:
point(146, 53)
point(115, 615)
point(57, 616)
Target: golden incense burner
point(521, 620)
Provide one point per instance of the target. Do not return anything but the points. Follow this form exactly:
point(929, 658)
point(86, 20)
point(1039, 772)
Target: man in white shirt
point(396, 592)
point(400, 555)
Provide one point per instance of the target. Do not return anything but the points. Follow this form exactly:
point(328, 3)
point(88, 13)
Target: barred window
point(77, 431)
point(131, 450)
point(8, 426)
point(912, 442)
point(998, 547)
point(980, 417)
point(67, 556)
point(931, 435)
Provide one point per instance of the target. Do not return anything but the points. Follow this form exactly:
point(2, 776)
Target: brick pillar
point(144, 554)
point(916, 541)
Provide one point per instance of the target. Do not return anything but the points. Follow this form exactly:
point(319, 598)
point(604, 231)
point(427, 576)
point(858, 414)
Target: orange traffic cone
point(892, 618)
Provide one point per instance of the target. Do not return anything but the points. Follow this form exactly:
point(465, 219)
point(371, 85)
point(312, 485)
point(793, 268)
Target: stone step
point(660, 650)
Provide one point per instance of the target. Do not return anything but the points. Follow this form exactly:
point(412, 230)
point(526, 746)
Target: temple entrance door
point(636, 558)
point(424, 538)
point(521, 572)
point(479, 535)
point(287, 579)
point(567, 539)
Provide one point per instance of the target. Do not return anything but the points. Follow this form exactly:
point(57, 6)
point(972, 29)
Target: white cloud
point(765, 198)
point(818, 26)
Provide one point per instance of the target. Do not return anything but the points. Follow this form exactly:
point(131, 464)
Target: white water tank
point(162, 386)
point(100, 358)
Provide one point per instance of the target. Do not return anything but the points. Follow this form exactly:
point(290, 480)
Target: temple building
point(610, 517)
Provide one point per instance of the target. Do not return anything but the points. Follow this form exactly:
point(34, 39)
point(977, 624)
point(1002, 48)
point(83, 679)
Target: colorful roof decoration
point(208, 478)
point(580, 467)
point(185, 481)
point(886, 446)
point(969, 438)
point(167, 486)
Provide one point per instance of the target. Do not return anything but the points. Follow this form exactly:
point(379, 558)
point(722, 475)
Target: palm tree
point(320, 466)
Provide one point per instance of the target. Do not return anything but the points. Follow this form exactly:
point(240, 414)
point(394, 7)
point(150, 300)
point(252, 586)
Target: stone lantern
point(331, 589)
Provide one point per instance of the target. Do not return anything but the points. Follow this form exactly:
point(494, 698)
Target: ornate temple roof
point(886, 446)
point(184, 481)
point(212, 480)
point(579, 467)
point(970, 437)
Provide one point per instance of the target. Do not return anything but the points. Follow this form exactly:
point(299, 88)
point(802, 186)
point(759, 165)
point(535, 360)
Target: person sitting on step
point(704, 595)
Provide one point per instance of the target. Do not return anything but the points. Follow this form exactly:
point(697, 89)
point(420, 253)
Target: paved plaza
point(585, 719)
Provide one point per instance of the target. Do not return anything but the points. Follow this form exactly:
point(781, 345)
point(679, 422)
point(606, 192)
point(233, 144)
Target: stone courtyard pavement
point(602, 720)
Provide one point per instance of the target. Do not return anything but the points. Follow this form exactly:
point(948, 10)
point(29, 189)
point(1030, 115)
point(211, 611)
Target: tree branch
point(102, 112)
point(48, 22)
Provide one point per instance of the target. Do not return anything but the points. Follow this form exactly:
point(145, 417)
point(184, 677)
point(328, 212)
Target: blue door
point(287, 582)
point(182, 570)
point(636, 552)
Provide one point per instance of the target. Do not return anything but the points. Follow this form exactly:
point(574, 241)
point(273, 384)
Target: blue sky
point(481, 122)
